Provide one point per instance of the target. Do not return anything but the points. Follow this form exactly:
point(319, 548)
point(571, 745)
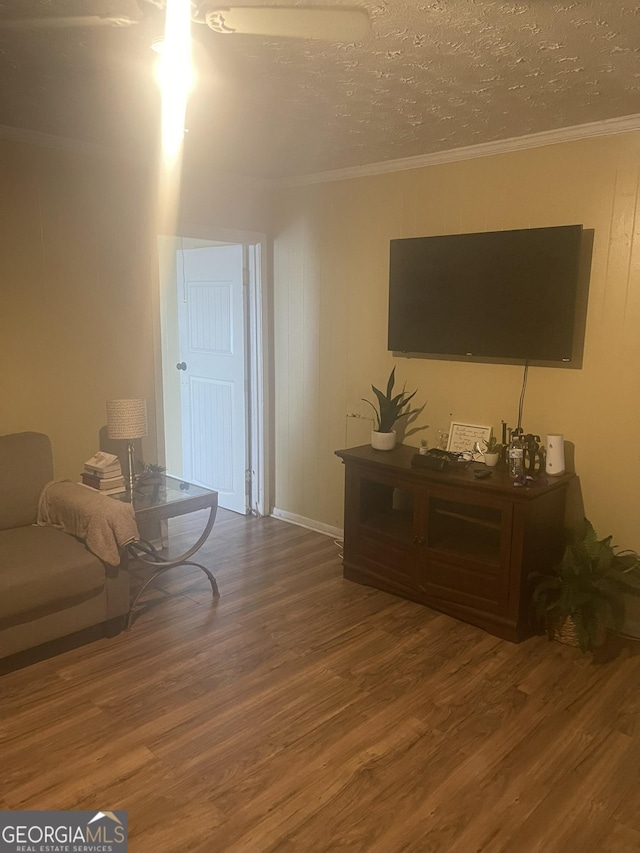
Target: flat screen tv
point(495, 296)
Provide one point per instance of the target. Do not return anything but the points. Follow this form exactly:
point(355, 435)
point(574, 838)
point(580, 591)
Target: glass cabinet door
point(387, 531)
point(464, 529)
point(387, 511)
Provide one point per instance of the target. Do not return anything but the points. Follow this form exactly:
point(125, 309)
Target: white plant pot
point(383, 440)
point(491, 459)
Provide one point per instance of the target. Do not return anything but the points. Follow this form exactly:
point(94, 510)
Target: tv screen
point(499, 295)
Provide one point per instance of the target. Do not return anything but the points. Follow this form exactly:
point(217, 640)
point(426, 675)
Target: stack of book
point(103, 472)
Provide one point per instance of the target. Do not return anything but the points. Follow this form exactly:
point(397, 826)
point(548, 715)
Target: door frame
point(258, 357)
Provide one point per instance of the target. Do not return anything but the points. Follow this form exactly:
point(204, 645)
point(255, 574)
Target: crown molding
point(608, 127)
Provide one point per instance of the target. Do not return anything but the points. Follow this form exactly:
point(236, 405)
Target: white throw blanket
point(103, 523)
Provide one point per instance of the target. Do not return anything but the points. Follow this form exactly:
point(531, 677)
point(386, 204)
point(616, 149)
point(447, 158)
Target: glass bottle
point(516, 455)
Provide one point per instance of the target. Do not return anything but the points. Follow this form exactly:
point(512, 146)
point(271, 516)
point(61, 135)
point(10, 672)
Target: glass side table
point(156, 502)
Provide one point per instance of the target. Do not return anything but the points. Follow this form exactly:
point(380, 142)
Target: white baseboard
point(309, 523)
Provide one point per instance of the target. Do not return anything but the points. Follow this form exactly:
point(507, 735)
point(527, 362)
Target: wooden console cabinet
point(445, 539)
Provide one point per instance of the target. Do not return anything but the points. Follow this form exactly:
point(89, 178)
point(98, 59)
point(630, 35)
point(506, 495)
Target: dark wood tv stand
point(442, 538)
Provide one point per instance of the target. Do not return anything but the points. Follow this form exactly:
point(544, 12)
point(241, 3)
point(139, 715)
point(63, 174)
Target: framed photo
point(462, 437)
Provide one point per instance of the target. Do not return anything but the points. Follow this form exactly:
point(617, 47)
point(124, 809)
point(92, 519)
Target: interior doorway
point(211, 382)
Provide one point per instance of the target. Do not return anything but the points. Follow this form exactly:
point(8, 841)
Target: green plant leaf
point(391, 381)
point(589, 584)
point(390, 408)
point(364, 400)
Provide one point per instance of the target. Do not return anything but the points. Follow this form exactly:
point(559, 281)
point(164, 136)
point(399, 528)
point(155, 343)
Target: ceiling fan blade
point(331, 24)
point(52, 22)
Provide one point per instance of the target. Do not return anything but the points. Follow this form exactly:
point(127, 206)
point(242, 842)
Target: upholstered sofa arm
point(104, 524)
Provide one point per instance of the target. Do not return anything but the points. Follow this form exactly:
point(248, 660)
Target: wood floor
point(301, 712)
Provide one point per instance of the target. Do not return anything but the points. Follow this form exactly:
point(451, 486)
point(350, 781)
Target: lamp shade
point(126, 418)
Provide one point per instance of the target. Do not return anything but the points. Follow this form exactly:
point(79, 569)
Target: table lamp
point(127, 419)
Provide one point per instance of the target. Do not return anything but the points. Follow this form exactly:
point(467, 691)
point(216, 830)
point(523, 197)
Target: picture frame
point(463, 436)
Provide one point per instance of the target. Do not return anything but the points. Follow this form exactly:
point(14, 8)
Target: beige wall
point(331, 270)
point(214, 201)
point(78, 284)
point(76, 278)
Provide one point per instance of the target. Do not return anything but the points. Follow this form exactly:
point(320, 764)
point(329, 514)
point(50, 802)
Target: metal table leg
point(144, 552)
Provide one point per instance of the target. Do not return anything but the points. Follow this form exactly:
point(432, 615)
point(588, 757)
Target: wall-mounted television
point(492, 296)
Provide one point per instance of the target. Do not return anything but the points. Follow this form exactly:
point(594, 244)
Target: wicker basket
point(564, 631)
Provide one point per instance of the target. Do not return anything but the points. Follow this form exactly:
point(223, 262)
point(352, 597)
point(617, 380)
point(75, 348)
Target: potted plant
point(492, 452)
point(152, 474)
point(389, 409)
point(584, 596)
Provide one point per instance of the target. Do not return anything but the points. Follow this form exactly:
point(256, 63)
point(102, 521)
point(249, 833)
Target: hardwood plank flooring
point(302, 712)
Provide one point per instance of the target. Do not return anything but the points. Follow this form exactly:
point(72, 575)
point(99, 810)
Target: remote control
point(482, 474)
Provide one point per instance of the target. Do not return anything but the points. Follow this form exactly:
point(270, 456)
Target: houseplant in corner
point(584, 596)
point(390, 408)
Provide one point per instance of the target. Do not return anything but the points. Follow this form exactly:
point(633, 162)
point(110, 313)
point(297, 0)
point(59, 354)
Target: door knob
point(181, 365)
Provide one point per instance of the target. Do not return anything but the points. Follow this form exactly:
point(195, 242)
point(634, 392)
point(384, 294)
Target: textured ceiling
point(435, 75)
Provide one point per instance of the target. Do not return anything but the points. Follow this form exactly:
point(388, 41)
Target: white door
point(211, 332)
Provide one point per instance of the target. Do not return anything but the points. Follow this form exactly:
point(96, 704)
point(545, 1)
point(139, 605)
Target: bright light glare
point(175, 75)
